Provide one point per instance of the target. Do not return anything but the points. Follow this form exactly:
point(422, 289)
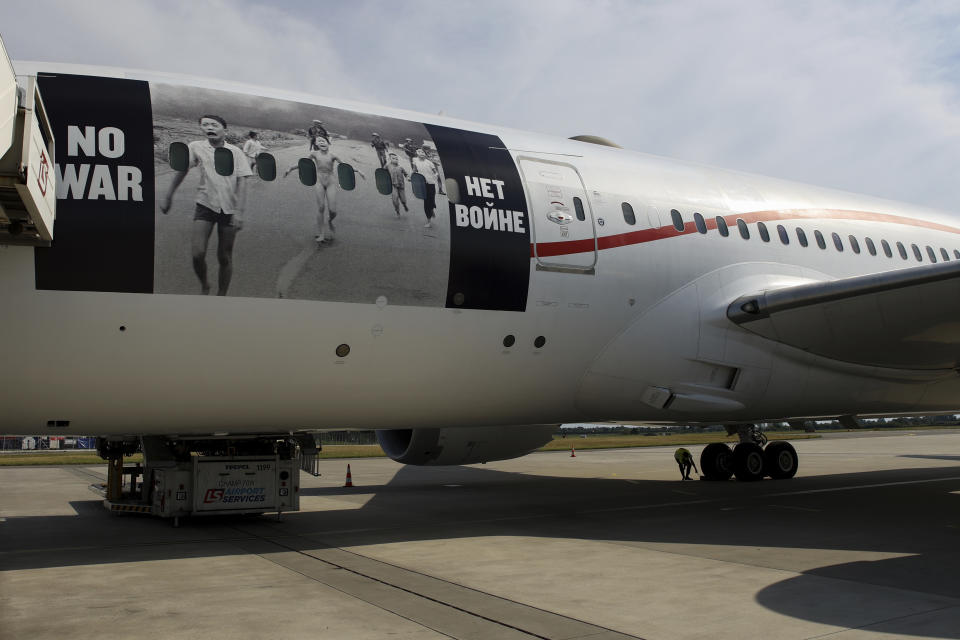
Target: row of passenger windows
point(784, 236)
point(266, 168)
point(698, 220)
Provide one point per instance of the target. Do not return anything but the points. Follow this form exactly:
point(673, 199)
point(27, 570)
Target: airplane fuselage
point(517, 306)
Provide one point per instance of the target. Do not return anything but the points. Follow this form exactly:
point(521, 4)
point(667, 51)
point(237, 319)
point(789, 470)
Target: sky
point(862, 96)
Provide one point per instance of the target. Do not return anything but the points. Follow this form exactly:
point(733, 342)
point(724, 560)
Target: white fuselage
point(645, 313)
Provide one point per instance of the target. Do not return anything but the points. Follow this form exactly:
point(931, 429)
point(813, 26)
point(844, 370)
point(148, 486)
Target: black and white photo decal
point(180, 190)
point(297, 208)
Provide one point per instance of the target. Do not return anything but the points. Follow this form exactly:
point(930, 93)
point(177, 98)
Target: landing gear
point(751, 459)
point(748, 462)
point(780, 460)
point(716, 461)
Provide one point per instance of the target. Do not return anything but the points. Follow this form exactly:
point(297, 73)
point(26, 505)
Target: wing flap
point(904, 319)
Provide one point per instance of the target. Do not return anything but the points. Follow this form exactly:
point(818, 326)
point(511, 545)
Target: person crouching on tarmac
point(685, 460)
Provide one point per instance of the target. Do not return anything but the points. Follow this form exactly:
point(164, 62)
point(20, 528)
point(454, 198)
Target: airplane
point(526, 281)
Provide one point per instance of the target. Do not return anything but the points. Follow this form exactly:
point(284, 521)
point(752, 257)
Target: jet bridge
point(28, 194)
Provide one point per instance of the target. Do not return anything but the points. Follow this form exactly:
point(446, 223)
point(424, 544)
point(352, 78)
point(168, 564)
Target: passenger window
point(418, 184)
point(820, 241)
point(944, 254)
point(801, 237)
point(453, 190)
point(179, 156)
point(223, 161)
point(837, 242)
point(346, 177)
point(307, 172)
point(628, 214)
point(872, 248)
point(722, 227)
point(764, 234)
point(854, 244)
point(700, 222)
point(677, 219)
point(902, 250)
point(744, 231)
point(578, 209)
point(956, 254)
point(930, 252)
point(266, 167)
point(886, 248)
point(784, 236)
point(384, 183)
point(916, 253)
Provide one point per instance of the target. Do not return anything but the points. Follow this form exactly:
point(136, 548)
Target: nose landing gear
point(749, 460)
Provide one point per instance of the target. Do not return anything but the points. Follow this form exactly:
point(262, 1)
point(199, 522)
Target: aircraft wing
point(905, 319)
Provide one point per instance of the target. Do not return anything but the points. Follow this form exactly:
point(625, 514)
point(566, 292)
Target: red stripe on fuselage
point(547, 249)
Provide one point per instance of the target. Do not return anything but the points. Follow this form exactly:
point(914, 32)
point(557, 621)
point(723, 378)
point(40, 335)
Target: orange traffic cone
point(349, 482)
point(573, 454)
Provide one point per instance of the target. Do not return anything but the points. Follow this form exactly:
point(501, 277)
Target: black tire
point(748, 462)
point(780, 460)
point(716, 461)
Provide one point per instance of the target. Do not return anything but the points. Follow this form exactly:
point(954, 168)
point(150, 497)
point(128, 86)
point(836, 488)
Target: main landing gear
point(751, 459)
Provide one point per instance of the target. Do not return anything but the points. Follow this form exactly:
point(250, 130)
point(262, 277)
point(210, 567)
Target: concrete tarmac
point(864, 543)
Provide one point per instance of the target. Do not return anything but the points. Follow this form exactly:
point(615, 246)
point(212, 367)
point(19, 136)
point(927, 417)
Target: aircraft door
point(563, 228)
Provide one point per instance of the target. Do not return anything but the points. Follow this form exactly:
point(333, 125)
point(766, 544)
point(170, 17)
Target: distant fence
point(29, 443)
point(348, 437)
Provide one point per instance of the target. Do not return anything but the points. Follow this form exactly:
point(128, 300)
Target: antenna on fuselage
point(596, 140)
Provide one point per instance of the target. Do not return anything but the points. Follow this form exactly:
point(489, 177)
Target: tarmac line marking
point(784, 506)
point(649, 506)
point(863, 486)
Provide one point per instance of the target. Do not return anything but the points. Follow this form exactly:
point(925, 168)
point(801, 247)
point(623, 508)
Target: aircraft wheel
point(748, 462)
point(716, 461)
point(780, 460)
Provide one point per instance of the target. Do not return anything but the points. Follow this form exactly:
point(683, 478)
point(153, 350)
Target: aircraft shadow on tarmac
point(733, 521)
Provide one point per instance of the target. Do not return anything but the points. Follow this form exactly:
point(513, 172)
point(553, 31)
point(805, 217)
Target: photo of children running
point(424, 166)
point(220, 201)
point(398, 177)
point(326, 188)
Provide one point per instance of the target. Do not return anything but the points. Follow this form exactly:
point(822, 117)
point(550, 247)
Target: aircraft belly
point(122, 362)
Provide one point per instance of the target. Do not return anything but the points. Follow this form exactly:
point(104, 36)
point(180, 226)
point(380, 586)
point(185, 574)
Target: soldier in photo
point(381, 147)
point(411, 150)
point(220, 201)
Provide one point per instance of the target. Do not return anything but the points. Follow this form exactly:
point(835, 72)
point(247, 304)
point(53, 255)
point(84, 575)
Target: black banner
point(489, 226)
point(103, 238)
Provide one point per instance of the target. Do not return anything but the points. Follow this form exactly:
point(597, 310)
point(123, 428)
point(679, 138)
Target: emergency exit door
point(563, 228)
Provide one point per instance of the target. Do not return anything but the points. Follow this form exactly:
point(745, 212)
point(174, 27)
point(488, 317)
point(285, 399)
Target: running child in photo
point(252, 147)
point(425, 166)
point(220, 201)
point(398, 176)
point(326, 188)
